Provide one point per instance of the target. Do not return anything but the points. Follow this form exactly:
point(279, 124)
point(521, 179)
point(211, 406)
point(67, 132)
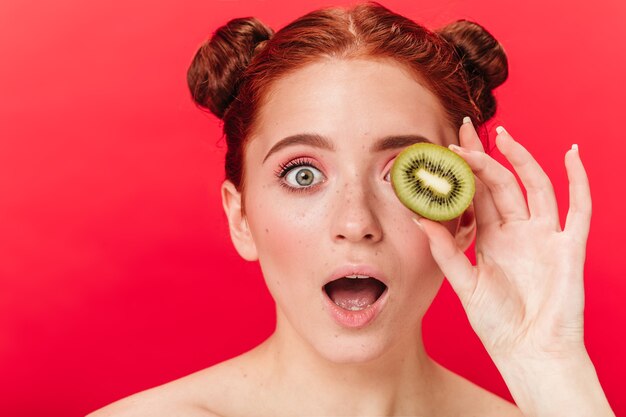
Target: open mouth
point(355, 292)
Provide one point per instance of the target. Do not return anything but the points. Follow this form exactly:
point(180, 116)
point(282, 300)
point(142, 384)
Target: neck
point(399, 381)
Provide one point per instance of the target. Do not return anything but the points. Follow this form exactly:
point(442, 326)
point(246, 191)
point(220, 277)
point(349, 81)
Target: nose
point(355, 218)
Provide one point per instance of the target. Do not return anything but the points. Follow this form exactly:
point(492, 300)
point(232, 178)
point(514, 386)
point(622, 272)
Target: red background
point(116, 269)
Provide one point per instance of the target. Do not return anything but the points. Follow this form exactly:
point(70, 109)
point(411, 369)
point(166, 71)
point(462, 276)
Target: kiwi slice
point(433, 181)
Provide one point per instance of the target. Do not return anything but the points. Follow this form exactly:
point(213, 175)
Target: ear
point(466, 228)
point(237, 222)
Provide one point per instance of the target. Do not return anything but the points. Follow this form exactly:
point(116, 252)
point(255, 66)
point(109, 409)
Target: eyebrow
point(397, 142)
point(319, 141)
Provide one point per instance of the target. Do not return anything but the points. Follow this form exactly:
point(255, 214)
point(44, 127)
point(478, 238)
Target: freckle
point(336, 335)
point(267, 230)
point(245, 375)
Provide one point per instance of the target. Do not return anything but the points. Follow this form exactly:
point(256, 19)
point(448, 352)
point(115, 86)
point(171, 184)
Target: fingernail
point(575, 147)
point(458, 149)
point(417, 222)
point(500, 129)
point(467, 119)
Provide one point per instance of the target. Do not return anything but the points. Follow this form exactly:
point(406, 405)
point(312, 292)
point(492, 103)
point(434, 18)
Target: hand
point(524, 297)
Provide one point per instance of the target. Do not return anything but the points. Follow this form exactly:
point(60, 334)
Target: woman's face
point(322, 208)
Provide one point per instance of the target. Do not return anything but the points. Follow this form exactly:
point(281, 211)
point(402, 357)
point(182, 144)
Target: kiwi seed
point(433, 181)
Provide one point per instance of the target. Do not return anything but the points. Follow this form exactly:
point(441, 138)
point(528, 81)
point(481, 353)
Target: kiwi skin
point(463, 186)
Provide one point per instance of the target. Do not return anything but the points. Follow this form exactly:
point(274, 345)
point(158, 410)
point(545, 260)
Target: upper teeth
point(357, 276)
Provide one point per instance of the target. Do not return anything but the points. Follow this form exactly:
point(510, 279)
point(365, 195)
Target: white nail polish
point(575, 147)
point(500, 129)
point(458, 149)
point(467, 119)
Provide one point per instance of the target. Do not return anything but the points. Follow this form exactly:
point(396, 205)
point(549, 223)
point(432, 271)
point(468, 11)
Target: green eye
point(303, 176)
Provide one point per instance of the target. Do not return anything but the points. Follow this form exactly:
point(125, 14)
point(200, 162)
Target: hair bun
point(483, 58)
point(215, 72)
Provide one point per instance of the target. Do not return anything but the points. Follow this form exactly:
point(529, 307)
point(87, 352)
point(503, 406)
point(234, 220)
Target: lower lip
point(355, 319)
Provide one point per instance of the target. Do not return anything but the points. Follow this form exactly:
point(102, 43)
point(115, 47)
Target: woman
point(314, 115)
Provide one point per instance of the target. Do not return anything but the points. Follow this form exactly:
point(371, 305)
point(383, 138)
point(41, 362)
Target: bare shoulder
point(204, 393)
point(160, 401)
point(474, 400)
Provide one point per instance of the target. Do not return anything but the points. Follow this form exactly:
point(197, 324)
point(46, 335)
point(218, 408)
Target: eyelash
point(284, 169)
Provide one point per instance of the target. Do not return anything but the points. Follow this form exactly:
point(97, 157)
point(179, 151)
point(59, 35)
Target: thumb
point(451, 260)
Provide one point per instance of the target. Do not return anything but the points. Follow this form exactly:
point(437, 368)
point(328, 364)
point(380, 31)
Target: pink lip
point(359, 318)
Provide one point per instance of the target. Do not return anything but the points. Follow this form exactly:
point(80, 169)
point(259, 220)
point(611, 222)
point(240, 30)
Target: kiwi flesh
point(433, 181)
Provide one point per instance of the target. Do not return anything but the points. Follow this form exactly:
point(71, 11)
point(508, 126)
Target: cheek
point(422, 278)
point(422, 274)
point(288, 241)
point(401, 229)
point(417, 261)
point(280, 229)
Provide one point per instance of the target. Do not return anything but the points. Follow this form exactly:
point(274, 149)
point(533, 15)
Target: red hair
point(232, 72)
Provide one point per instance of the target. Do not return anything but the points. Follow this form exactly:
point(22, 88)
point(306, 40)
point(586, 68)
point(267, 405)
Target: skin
point(311, 364)
point(352, 216)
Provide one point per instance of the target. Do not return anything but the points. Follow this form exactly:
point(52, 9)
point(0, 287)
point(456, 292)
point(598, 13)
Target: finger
point(539, 191)
point(468, 137)
point(486, 211)
point(451, 260)
point(579, 213)
point(505, 191)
